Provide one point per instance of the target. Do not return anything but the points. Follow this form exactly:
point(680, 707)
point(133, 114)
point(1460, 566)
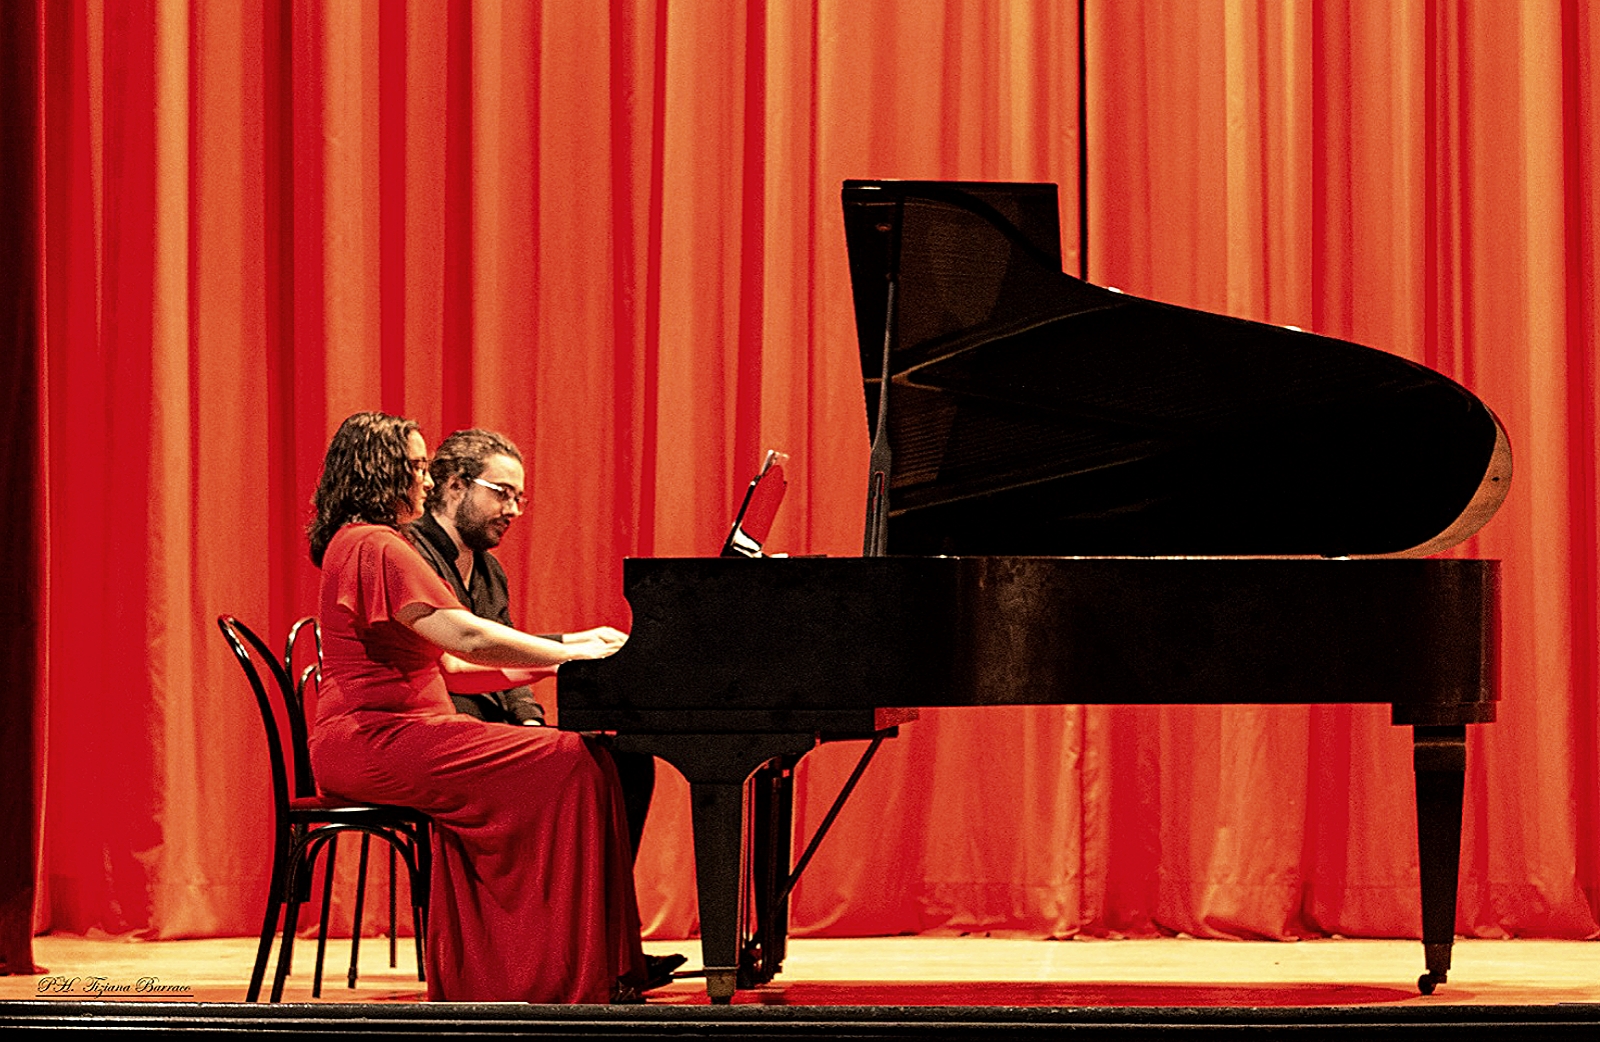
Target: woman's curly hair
point(365, 477)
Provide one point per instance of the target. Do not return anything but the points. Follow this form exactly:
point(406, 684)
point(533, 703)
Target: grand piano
point(1076, 496)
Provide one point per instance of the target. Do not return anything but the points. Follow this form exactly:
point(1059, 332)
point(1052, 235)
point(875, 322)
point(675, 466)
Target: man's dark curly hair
point(365, 477)
point(466, 453)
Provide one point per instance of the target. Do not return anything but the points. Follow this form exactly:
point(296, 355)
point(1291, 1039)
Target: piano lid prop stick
point(877, 537)
point(828, 819)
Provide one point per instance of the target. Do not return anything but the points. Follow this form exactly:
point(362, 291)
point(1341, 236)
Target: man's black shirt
point(487, 597)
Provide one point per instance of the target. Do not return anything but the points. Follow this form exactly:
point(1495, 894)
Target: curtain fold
point(23, 597)
point(611, 229)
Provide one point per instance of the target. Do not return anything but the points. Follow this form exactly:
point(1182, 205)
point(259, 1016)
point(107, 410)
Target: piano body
point(1077, 496)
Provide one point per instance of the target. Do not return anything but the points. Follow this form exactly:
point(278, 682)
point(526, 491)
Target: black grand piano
point(1077, 496)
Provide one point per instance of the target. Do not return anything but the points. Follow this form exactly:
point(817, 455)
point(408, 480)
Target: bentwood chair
point(305, 821)
point(307, 631)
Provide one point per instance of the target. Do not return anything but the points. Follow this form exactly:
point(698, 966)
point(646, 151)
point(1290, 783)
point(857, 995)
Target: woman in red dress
point(532, 895)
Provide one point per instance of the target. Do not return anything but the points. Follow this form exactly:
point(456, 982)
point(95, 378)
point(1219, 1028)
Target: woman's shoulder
point(368, 568)
point(361, 531)
point(355, 537)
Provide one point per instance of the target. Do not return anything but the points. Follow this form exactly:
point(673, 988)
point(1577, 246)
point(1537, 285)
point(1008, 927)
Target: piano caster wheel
point(1428, 981)
point(720, 986)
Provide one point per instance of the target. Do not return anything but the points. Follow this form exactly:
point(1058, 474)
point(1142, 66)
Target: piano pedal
point(753, 968)
point(749, 959)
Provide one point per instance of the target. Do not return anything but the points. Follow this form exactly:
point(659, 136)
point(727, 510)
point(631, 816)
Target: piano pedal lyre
point(770, 793)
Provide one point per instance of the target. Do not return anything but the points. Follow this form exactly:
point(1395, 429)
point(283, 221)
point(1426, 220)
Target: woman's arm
point(487, 643)
point(468, 678)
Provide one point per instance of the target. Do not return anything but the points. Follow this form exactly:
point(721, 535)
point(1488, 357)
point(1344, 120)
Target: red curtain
point(1421, 178)
point(611, 230)
point(22, 601)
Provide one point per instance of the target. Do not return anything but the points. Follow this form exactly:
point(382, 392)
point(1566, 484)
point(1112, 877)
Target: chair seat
point(323, 807)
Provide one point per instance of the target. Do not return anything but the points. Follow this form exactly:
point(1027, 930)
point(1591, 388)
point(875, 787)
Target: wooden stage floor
point(1539, 985)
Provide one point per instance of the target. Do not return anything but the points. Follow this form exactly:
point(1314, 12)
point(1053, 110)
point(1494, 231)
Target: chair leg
point(269, 930)
point(327, 903)
point(291, 922)
point(361, 897)
point(421, 883)
point(419, 927)
point(393, 961)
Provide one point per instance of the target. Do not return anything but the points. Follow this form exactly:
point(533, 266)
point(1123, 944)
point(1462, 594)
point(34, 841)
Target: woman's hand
point(595, 643)
point(605, 634)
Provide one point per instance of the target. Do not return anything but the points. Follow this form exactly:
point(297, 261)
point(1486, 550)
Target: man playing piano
point(478, 490)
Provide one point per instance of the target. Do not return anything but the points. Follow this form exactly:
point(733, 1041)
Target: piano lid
point(1032, 413)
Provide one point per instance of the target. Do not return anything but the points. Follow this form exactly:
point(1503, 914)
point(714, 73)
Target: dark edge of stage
point(466, 1020)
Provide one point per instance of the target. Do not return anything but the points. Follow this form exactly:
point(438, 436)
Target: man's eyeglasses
point(505, 493)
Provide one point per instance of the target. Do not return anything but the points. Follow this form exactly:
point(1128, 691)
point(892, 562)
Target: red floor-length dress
point(532, 897)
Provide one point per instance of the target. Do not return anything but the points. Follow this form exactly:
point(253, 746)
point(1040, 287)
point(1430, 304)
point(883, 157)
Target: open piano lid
point(1032, 413)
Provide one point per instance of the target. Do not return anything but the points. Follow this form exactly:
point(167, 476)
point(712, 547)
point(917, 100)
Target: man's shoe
point(626, 995)
point(658, 969)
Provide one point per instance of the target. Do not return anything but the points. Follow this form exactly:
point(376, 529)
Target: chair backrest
point(297, 633)
point(277, 696)
point(307, 678)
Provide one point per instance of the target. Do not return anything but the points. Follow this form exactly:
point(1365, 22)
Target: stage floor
point(901, 971)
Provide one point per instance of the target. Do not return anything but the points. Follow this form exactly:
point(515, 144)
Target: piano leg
point(1440, 758)
point(718, 811)
point(716, 767)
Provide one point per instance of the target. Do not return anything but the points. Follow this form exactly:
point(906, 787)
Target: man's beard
point(478, 531)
